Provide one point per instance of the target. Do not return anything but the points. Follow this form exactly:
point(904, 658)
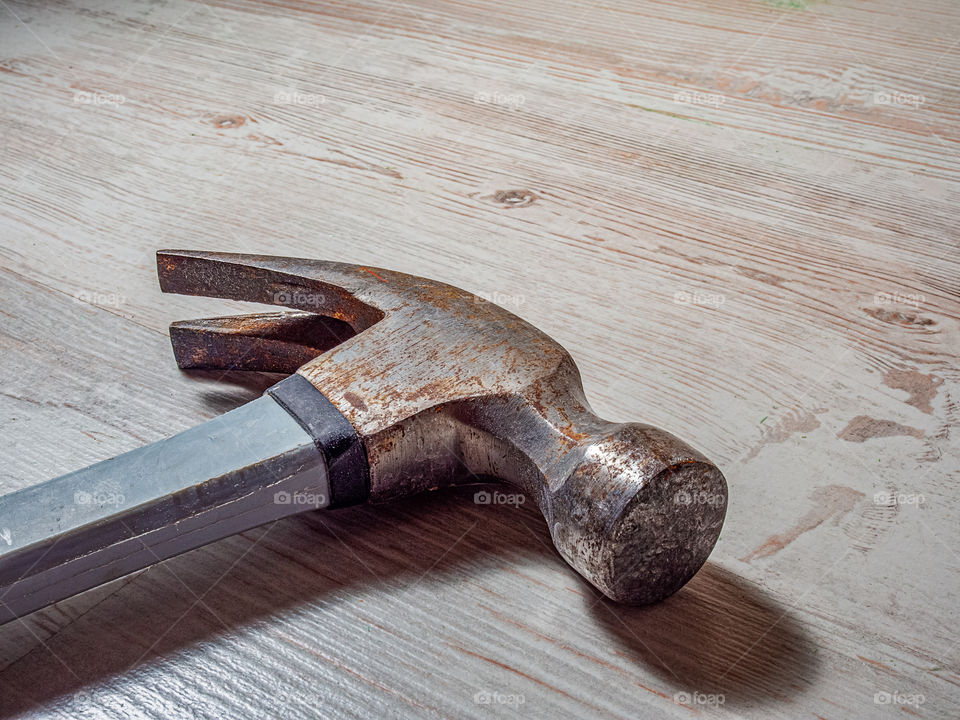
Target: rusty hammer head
point(444, 387)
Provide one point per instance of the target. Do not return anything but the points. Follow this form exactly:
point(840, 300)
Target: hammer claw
point(266, 342)
point(343, 292)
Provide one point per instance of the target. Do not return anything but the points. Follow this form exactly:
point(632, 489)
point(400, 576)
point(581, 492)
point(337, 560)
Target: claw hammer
point(398, 384)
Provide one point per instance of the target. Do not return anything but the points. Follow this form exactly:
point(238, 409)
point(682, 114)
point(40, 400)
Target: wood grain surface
point(739, 217)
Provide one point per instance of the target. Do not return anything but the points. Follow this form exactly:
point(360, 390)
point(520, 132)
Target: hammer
point(398, 384)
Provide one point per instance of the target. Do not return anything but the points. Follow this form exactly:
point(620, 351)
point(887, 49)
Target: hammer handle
point(252, 465)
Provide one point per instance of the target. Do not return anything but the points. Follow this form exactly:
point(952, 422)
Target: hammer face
point(640, 514)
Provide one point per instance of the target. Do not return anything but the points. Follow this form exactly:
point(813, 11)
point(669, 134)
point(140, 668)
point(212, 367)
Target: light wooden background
point(739, 217)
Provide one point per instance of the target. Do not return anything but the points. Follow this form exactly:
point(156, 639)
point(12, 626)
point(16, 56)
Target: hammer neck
point(532, 440)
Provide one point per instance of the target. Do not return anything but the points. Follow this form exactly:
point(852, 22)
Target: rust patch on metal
point(355, 400)
point(374, 273)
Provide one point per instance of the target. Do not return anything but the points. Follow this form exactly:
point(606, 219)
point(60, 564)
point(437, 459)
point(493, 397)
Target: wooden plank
point(740, 220)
